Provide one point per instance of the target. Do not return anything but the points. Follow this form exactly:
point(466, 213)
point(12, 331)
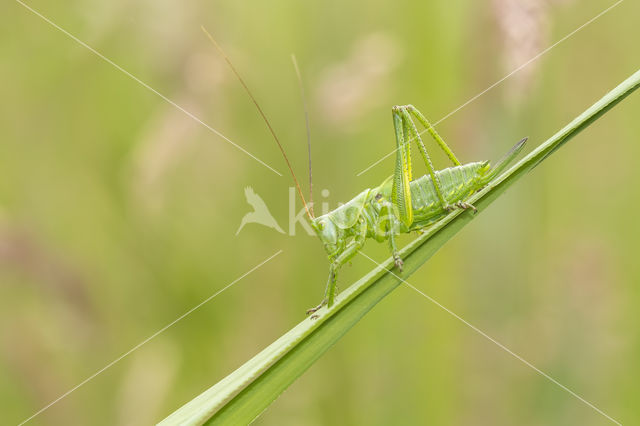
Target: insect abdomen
point(457, 183)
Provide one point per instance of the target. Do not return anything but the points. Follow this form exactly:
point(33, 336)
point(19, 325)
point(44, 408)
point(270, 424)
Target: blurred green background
point(118, 212)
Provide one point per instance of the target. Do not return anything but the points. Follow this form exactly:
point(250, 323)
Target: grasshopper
point(400, 204)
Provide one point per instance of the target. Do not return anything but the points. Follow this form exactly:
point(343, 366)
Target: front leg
point(350, 250)
point(331, 282)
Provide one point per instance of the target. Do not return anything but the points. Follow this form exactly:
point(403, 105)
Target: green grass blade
point(244, 394)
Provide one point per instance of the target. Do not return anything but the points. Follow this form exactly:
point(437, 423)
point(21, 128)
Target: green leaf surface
point(241, 396)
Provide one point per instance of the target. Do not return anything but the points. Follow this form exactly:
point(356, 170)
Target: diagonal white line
point(528, 62)
point(502, 79)
point(378, 162)
point(145, 85)
point(500, 345)
point(148, 339)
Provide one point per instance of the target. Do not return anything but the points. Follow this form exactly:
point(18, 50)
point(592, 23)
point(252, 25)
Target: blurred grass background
point(118, 212)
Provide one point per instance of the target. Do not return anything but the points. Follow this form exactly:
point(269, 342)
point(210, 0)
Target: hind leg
point(461, 205)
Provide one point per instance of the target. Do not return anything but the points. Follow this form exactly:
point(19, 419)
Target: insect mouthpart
point(317, 225)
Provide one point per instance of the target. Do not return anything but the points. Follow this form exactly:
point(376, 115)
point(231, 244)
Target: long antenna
point(264, 117)
point(306, 120)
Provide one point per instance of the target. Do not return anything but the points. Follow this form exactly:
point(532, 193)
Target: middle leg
point(390, 225)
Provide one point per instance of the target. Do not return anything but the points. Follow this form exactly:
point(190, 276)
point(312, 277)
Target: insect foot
point(314, 310)
point(399, 263)
point(463, 205)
